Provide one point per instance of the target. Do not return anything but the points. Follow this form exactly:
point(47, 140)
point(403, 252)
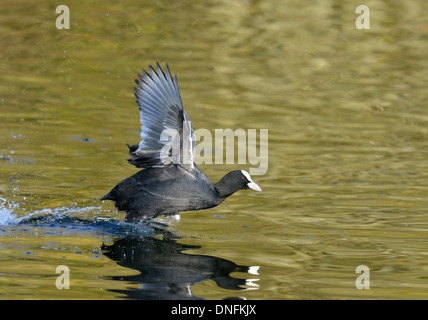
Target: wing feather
point(164, 123)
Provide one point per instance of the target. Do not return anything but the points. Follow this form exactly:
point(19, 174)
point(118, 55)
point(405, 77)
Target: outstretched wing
point(166, 132)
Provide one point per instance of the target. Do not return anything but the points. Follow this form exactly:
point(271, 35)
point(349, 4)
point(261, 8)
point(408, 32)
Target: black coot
point(171, 182)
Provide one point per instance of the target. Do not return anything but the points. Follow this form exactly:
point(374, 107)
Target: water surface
point(347, 182)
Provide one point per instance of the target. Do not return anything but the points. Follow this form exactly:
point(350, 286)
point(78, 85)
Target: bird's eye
point(243, 178)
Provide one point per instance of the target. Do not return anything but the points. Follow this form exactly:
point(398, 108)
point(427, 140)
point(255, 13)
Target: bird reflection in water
point(167, 272)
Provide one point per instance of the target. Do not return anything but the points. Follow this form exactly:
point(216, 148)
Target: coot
point(170, 181)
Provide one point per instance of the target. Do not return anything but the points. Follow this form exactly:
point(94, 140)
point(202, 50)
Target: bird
point(170, 181)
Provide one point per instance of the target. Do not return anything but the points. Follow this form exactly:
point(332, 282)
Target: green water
point(347, 182)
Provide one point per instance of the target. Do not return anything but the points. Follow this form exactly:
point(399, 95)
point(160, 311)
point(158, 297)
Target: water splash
point(72, 219)
point(7, 217)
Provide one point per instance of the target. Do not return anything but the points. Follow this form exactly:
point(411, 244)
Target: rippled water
point(347, 182)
